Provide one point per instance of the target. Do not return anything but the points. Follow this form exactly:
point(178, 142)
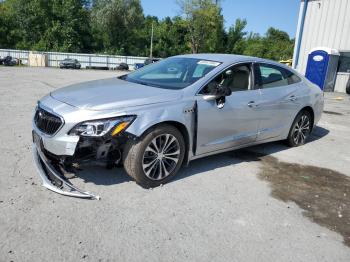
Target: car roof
point(227, 58)
point(231, 58)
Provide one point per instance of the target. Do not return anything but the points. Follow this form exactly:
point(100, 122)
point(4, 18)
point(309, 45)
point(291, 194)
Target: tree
point(275, 45)
point(48, 25)
point(7, 38)
point(205, 25)
point(255, 46)
point(119, 27)
point(115, 23)
point(280, 46)
point(235, 37)
point(171, 37)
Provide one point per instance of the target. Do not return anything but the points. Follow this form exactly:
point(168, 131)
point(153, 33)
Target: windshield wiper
point(126, 78)
point(148, 84)
point(141, 82)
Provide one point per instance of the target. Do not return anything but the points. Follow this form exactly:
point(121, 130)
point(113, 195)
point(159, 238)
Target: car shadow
point(242, 155)
point(101, 176)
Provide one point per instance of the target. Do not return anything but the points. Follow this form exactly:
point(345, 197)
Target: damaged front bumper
point(53, 180)
point(59, 154)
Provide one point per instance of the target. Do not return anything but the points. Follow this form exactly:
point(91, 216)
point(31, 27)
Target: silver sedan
point(159, 118)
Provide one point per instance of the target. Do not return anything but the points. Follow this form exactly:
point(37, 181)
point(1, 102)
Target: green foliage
point(255, 46)
point(119, 27)
point(7, 38)
point(276, 45)
point(235, 37)
point(205, 25)
point(169, 36)
point(61, 25)
point(280, 46)
point(115, 23)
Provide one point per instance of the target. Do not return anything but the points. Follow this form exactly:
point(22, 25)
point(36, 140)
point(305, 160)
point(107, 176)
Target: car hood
point(113, 93)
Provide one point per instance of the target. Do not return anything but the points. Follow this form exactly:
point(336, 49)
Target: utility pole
point(151, 49)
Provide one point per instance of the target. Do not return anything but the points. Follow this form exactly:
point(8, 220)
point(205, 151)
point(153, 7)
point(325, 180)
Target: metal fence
point(110, 61)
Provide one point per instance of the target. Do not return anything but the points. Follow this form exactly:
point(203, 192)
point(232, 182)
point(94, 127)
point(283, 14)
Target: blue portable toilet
point(321, 68)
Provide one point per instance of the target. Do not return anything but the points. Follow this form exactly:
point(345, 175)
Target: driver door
point(230, 121)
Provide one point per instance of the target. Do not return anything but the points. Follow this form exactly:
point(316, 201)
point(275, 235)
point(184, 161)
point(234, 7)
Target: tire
point(300, 129)
point(142, 162)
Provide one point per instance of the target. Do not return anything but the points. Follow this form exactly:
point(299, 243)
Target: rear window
point(291, 77)
point(275, 76)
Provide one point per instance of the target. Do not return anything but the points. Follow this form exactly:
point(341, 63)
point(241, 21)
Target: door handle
point(251, 104)
point(292, 98)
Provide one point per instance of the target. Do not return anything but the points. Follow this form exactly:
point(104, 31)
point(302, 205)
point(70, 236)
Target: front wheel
point(156, 158)
point(300, 130)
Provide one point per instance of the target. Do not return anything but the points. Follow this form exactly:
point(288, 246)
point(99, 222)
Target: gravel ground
point(220, 208)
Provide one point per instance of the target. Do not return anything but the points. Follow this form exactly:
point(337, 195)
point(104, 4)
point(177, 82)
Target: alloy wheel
point(161, 156)
point(301, 130)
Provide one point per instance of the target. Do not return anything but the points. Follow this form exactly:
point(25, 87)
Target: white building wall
point(327, 23)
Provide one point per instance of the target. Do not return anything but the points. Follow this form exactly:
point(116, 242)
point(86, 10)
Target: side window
point(291, 77)
point(272, 76)
point(237, 78)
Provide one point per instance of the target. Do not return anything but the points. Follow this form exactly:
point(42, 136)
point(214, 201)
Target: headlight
point(98, 128)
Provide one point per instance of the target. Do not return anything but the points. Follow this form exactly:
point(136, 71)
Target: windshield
point(172, 73)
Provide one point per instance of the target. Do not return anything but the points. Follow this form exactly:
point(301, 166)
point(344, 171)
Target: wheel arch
point(312, 113)
point(183, 130)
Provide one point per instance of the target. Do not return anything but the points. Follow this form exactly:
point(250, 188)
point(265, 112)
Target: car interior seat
point(239, 80)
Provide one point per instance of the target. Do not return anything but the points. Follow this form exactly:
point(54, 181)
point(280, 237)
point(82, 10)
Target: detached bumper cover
point(48, 174)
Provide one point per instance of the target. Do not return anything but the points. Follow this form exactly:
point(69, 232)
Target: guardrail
point(86, 60)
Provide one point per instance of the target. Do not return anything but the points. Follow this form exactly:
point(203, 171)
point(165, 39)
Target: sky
point(260, 14)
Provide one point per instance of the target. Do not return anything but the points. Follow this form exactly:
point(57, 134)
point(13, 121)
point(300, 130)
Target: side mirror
point(209, 97)
point(224, 91)
point(216, 90)
point(228, 72)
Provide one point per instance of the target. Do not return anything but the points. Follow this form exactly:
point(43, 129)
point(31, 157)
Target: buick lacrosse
point(160, 117)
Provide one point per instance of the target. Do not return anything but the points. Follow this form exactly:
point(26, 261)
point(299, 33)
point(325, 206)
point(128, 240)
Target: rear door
point(279, 102)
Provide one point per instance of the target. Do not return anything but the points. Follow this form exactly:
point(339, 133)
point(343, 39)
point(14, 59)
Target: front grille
point(46, 122)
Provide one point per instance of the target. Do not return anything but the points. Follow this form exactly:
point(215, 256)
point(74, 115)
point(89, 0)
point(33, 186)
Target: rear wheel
point(300, 130)
point(156, 158)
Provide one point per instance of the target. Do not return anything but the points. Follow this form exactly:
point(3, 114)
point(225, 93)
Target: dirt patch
point(332, 113)
point(324, 194)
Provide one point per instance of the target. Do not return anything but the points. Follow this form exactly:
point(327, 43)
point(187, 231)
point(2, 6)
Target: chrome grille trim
point(47, 122)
